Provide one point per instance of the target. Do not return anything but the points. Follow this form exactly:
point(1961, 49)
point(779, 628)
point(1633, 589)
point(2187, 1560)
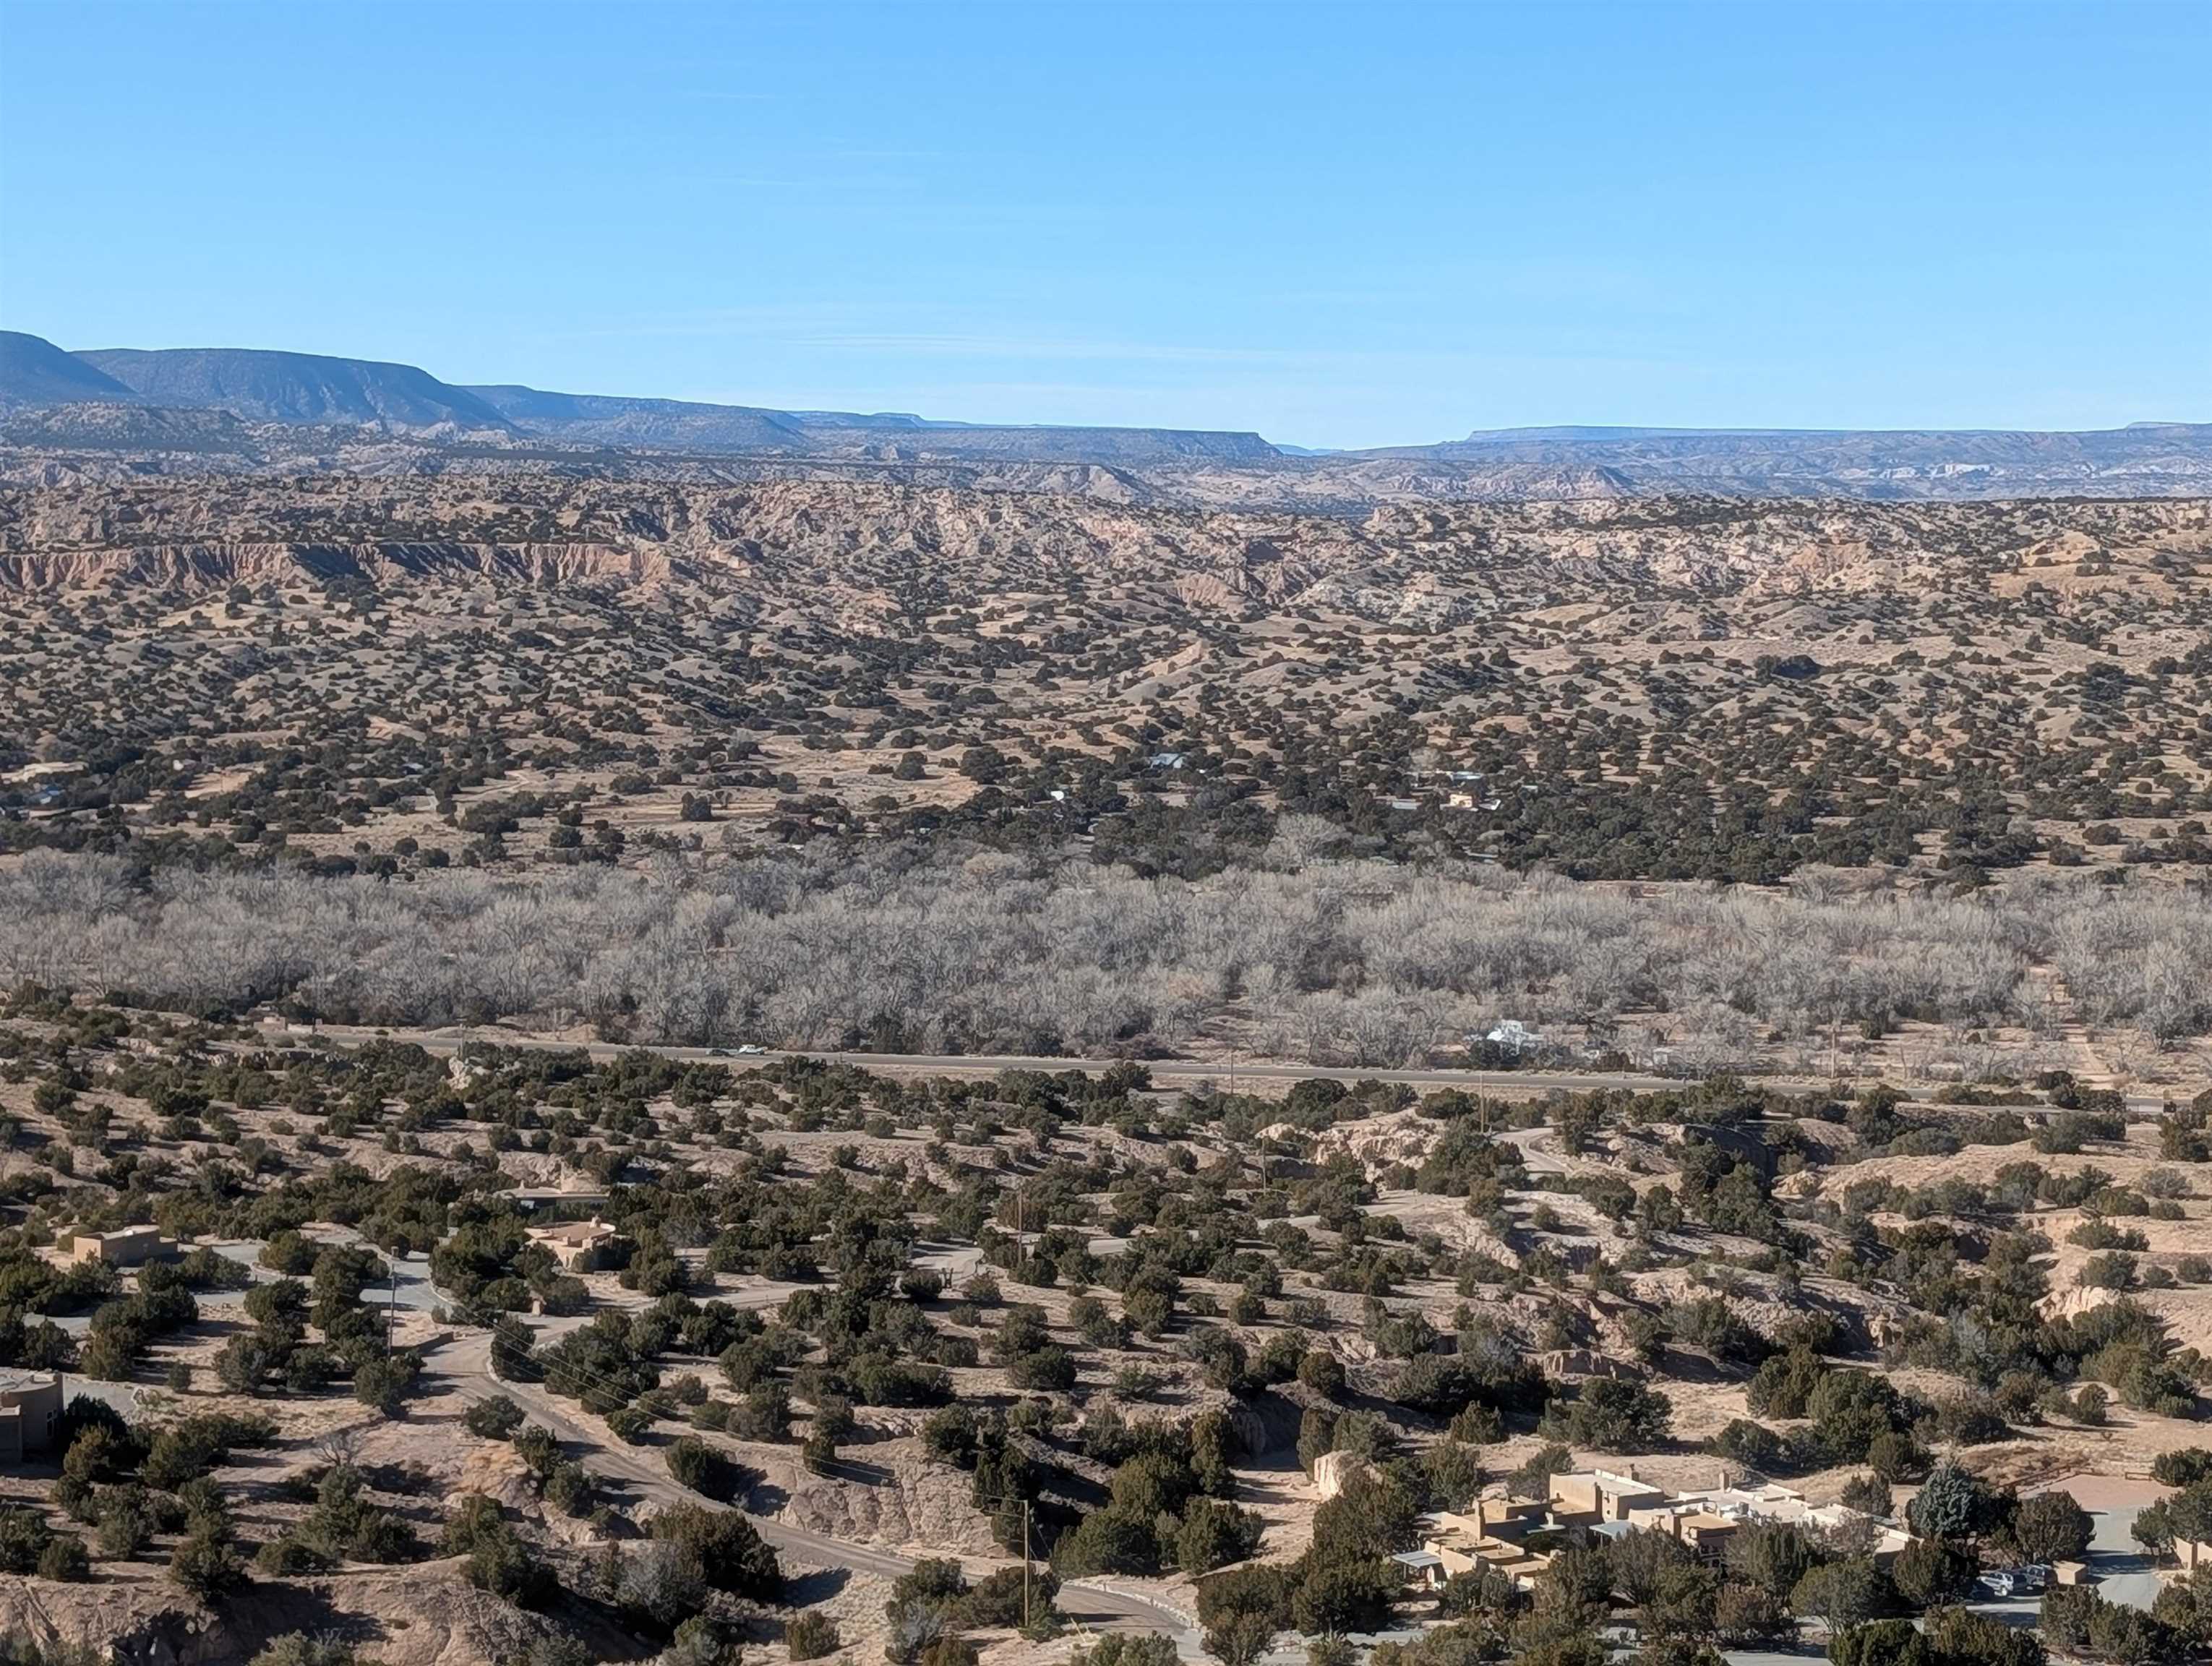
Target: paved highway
point(1510, 1084)
point(449, 1041)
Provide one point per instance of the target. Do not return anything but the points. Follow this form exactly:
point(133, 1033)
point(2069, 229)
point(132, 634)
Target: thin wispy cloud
point(958, 346)
point(972, 346)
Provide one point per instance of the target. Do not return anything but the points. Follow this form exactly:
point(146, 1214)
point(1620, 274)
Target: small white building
point(1515, 1036)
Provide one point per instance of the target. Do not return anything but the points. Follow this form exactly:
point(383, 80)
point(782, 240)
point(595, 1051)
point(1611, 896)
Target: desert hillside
point(1684, 689)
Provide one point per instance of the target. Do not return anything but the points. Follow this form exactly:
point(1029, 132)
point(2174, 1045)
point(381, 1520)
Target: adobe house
point(127, 1247)
point(1587, 1497)
point(576, 1243)
point(30, 1412)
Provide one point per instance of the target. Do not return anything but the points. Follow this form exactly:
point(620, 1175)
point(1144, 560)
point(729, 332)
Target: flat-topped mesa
point(294, 394)
point(293, 387)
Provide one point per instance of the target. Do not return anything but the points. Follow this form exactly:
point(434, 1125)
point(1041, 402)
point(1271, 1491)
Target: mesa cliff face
point(551, 528)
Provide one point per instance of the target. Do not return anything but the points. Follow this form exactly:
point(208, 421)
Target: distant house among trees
point(127, 1247)
point(576, 1244)
point(1515, 1037)
point(30, 1412)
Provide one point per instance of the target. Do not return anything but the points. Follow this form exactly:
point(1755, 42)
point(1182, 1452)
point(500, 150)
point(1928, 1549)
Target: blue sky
point(1337, 225)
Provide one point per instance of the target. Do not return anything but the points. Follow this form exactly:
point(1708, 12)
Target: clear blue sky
point(1339, 225)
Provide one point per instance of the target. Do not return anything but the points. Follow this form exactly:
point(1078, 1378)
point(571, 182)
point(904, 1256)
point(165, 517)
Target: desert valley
point(652, 1031)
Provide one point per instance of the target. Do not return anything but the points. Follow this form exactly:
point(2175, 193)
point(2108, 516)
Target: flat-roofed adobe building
point(1518, 1536)
point(128, 1246)
point(1584, 1497)
point(30, 1412)
point(576, 1244)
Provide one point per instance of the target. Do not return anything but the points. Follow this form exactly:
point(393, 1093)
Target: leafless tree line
point(1351, 961)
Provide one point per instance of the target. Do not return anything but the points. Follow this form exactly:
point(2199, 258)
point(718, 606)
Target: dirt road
point(1538, 1150)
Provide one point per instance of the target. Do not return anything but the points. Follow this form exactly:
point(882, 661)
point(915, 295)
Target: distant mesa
point(1880, 462)
point(606, 420)
point(63, 400)
point(35, 372)
point(682, 425)
point(312, 389)
point(292, 387)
